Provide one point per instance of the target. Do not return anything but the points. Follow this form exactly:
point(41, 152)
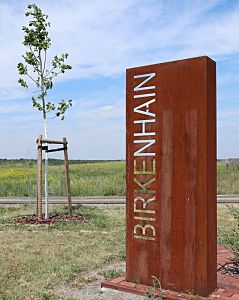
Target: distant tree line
point(54, 161)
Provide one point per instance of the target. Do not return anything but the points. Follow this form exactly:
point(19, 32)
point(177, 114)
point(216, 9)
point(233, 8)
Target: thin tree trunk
point(46, 175)
point(39, 179)
point(42, 70)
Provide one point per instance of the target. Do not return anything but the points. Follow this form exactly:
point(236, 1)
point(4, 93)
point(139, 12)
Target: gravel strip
point(89, 287)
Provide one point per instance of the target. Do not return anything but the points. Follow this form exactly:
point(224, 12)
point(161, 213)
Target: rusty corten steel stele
point(171, 175)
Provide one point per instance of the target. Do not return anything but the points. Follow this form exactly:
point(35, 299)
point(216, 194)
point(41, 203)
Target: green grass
point(227, 179)
point(87, 179)
point(112, 273)
point(229, 235)
point(225, 222)
point(18, 178)
point(35, 260)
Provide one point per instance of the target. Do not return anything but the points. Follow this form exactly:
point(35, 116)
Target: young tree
point(36, 68)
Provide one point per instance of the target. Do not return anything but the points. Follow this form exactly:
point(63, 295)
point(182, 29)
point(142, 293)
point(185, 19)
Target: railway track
point(221, 199)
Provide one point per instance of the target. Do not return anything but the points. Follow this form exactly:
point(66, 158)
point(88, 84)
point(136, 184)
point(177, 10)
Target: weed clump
point(232, 239)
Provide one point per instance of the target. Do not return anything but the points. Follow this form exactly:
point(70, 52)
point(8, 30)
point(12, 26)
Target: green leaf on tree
point(37, 40)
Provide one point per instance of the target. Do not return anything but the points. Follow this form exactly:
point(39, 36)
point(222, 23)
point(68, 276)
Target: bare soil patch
point(88, 286)
point(52, 219)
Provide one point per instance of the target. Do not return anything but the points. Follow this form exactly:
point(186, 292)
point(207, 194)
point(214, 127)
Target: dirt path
point(88, 286)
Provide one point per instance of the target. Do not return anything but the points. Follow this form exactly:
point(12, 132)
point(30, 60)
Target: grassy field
point(18, 178)
point(36, 260)
point(87, 179)
point(227, 180)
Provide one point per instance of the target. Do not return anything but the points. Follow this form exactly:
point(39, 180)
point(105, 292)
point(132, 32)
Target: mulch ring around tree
point(231, 269)
point(33, 220)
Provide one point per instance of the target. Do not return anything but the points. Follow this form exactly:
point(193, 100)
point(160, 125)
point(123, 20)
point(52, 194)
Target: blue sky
point(103, 38)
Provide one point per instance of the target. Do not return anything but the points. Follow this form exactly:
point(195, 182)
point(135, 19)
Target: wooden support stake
point(53, 142)
point(67, 177)
point(39, 178)
point(40, 141)
point(55, 150)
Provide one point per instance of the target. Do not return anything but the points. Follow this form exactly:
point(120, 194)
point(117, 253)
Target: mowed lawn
point(87, 179)
point(36, 260)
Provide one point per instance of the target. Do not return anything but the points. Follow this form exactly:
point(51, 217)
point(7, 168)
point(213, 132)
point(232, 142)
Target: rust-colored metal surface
point(171, 175)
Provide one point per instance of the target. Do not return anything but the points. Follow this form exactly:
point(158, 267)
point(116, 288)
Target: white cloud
point(12, 93)
point(14, 108)
point(104, 37)
point(229, 113)
point(229, 124)
point(106, 108)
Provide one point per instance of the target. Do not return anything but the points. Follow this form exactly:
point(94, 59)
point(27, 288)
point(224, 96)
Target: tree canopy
point(35, 65)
